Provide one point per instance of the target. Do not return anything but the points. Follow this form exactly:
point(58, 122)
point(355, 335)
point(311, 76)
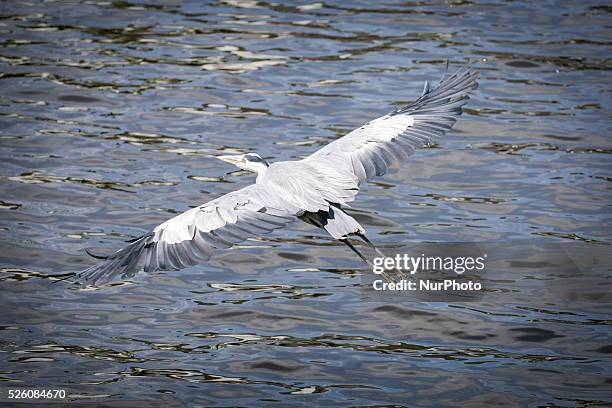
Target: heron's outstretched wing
point(192, 237)
point(370, 150)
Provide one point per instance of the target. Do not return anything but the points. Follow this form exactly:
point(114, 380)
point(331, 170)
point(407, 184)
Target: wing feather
point(372, 148)
point(193, 236)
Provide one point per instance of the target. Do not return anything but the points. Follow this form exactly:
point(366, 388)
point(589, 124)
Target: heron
point(315, 189)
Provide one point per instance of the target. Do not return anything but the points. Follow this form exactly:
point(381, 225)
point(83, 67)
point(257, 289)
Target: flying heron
point(313, 189)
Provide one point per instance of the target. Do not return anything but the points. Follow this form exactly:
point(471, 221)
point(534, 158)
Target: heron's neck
point(261, 169)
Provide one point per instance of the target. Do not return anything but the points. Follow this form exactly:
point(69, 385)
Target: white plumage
point(313, 189)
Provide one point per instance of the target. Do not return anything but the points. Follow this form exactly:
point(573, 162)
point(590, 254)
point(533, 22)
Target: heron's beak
point(230, 159)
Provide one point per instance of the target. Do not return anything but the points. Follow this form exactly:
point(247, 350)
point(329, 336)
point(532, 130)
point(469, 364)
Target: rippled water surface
point(111, 113)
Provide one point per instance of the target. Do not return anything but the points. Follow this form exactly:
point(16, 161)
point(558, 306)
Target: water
point(111, 113)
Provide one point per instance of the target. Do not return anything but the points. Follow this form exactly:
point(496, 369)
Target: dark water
point(111, 113)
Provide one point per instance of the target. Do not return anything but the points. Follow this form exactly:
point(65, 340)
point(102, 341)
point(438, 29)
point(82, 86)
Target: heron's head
point(250, 162)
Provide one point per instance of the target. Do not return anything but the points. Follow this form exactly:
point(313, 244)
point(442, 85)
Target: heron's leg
point(365, 239)
point(345, 241)
point(370, 244)
point(355, 250)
